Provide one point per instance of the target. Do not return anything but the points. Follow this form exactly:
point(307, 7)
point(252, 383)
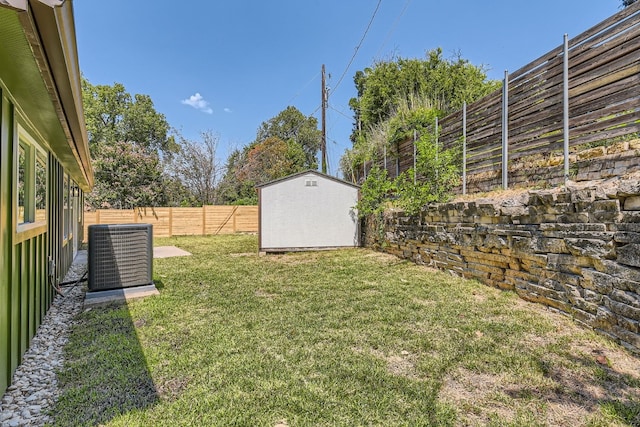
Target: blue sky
point(228, 66)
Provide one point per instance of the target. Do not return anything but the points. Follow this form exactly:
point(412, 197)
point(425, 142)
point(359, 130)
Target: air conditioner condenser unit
point(120, 256)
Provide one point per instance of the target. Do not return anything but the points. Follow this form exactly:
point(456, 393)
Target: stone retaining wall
point(575, 249)
point(586, 165)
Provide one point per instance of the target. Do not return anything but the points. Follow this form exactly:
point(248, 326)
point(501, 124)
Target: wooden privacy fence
point(585, 91)
point(169, 221)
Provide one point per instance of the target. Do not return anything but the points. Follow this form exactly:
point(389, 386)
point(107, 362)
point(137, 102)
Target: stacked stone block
point(574, 249)
point(587, 165)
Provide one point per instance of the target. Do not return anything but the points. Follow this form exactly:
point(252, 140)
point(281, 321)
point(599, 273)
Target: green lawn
point(336, 338)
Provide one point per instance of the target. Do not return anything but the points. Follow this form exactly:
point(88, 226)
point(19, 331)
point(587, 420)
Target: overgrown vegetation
point(435, 174)
point(349, 337)
point(399, 100)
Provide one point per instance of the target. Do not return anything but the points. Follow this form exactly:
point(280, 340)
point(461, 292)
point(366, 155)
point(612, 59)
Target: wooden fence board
point(176, 221)
point(621, 91)
point(587, 61)
point(622, 16)
point(247, 219)
point(604, 82)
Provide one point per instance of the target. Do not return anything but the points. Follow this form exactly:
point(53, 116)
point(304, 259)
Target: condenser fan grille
point(120, 256)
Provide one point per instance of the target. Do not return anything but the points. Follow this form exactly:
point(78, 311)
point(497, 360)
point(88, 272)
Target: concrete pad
point(168, 252)
point(118, 296)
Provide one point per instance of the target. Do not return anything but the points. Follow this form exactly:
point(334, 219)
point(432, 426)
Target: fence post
point(384, 152)
point(437, 149)
point(414, 157)
point(464, 147)
point(170, 222)
point(204, 219)
point(397, 159)
point(565, 104)
point(505, 130)
point(234, 212)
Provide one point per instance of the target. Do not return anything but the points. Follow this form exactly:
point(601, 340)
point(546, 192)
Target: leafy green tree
point(443, 83)
point(128, 140)
point(271, 159)
point(112, 114)
point(292, 126)
point(285, 144)
point(231, 190)
point(126, 176)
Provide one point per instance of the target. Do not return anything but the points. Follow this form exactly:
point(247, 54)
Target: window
point(23, 185)
point(41, 188)
point(66, 207)
point(31, 186)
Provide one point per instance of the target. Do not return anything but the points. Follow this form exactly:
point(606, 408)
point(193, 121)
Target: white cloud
point(199, 103)
point(228, 110)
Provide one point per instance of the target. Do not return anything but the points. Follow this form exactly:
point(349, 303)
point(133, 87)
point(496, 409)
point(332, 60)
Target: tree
point(199, 168)
point(285, 144)
point(126, 176)
point(128, 140)
point(627, 3)
point(112, 114)
point(444, 84)
point(291, 125)
point(401, 96)
point(231, 190)
point(271, 159)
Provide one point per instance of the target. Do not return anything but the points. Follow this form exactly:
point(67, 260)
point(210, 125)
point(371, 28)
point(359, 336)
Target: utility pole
point(324, 124)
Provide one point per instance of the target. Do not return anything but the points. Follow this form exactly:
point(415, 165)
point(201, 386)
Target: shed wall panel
point(308, 211)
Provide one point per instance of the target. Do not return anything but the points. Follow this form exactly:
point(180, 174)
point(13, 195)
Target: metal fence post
point(505, 131)
point(437, 149)
point(565, 104)
point(464, 147)
point(384, 153)
point(414, 157)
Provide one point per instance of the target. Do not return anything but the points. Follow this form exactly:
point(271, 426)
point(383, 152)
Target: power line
point(303, 88)
point(357, 47)
point(393, 27)
point(340, 112)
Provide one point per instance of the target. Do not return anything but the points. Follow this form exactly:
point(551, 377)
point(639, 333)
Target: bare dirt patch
point(383, 257)
point(294, 258)
point(570, 390)
point(402, 364)
point(260, 293)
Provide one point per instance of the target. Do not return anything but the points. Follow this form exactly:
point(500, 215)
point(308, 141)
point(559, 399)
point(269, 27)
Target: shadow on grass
point(611, 388)
point(588, 384)
point(105, 372)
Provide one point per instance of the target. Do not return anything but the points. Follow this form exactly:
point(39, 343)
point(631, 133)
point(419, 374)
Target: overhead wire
point(364, 35)
point(355, 52)
point(353, 57)
point(393, 27)
point(303, 88)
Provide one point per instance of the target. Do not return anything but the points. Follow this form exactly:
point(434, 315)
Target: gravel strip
point(34, 387)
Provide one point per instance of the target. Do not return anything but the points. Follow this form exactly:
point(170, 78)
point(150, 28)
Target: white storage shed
point(307, 210)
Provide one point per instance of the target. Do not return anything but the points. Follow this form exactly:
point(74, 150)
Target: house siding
point(25, 291)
